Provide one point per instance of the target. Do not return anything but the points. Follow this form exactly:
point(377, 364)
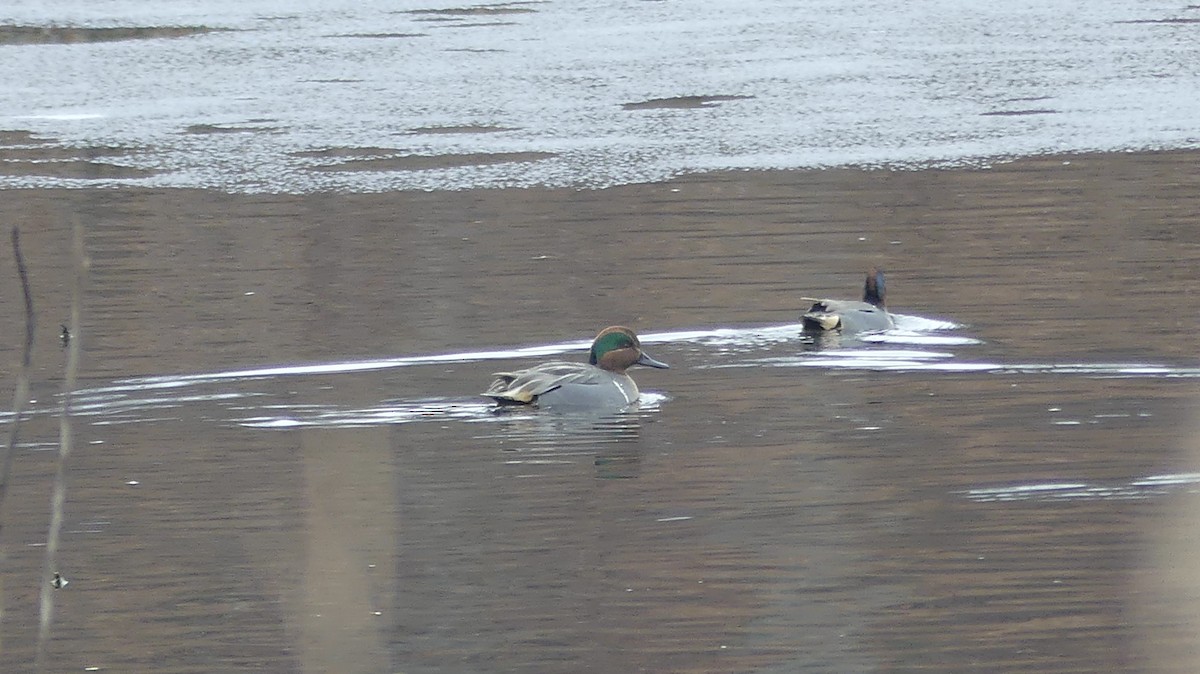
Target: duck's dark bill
point(650, 362)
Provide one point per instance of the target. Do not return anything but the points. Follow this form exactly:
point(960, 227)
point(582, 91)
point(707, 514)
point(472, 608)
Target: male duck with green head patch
point(600, 383)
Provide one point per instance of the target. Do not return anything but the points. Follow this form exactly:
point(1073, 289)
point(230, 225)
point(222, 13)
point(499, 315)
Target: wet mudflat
point(283, 465)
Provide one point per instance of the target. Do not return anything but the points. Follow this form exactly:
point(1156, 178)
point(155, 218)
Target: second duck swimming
point(848, 316)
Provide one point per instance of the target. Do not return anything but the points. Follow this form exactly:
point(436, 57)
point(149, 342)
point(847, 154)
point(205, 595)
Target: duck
point(599, 383)
point(848, 316)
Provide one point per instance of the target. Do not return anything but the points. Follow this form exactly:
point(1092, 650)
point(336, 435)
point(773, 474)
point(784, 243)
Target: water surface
point(284, 465)
point(265, 96)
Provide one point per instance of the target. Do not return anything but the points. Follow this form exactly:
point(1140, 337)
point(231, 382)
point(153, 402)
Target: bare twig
point(59, 496)
point(20, 395)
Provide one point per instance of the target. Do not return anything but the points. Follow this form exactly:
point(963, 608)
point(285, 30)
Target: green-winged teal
point(599, 383)
point(848, 316)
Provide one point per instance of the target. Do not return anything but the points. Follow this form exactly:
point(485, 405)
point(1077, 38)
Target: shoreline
point(81, 164)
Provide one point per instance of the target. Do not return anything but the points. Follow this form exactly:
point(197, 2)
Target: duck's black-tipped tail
point(874, 292)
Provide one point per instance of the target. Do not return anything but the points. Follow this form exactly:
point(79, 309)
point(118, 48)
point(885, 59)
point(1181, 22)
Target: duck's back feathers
point(524, 386)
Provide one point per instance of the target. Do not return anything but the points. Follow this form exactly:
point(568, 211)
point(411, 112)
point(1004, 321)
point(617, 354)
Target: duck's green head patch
point(611, 339)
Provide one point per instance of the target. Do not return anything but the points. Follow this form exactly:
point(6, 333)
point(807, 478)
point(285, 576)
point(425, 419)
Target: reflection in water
point(341, 611)
point(609, 440)
point(1166, 607)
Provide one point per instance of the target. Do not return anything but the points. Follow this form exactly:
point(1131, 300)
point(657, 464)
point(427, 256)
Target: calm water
point(284, 466)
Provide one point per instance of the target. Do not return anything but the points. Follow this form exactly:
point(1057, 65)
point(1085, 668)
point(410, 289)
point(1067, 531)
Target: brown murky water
point(890, 506)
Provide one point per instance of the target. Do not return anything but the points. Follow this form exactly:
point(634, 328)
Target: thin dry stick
point(59, 496)
point(20, 395)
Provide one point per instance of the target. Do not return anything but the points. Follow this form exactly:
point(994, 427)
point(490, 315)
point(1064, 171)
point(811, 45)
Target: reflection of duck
point(599, 383)
point(848, 316)
point(610, 437)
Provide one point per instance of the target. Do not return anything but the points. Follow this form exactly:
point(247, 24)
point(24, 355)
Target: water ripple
point(1141, 488)
point(907, 348)
point(727, 338)
point(389, 412)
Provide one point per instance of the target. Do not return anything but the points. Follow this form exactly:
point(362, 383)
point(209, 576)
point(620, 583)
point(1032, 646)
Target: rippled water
point(283, 463)
point(266, 96)
point(785, 346)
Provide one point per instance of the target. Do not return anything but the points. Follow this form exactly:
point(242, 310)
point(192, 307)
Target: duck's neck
point(615, 361)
